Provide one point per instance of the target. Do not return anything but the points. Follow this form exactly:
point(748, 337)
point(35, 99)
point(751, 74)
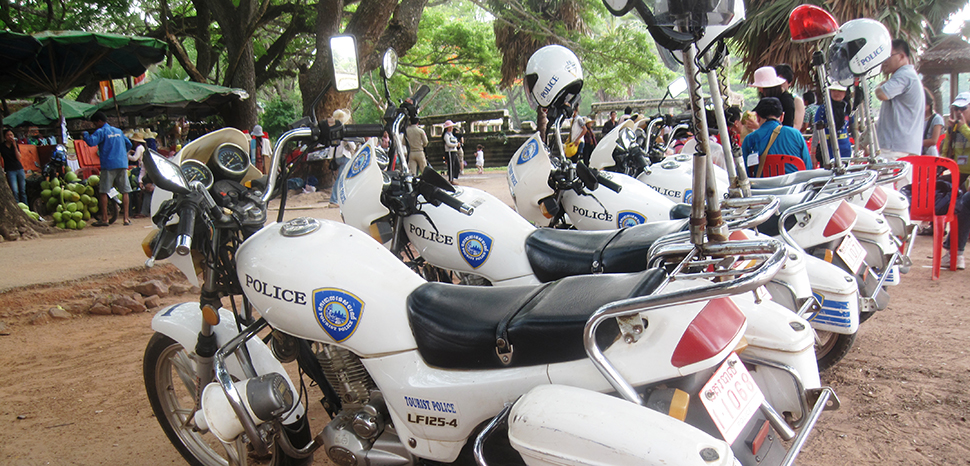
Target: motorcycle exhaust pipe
point(265, 398)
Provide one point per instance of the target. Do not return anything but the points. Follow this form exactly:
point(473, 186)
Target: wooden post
point(954, 89)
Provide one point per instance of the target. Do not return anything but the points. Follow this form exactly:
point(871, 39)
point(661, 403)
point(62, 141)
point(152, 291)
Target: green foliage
point(30, 16)
point(170, 72)
point(617, 58)
point(280, 112)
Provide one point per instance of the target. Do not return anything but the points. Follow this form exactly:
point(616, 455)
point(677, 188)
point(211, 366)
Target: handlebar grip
point(363, 131)
point(420, 94)
point(446, 198)
point(610, 184)
point(186, 228)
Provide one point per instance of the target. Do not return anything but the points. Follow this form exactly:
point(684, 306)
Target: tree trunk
point(375, 29)
point(14, 224)
point(237, 23)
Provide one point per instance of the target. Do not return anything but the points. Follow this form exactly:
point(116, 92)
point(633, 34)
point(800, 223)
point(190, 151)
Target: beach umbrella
point(69, 59)
point(173, 97)
point(44, 113)
point(17, 47)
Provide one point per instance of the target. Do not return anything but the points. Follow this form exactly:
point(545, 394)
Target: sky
point(957, 20)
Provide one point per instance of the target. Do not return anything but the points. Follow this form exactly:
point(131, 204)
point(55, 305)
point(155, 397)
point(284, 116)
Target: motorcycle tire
point(833, 347)
point(169, 371)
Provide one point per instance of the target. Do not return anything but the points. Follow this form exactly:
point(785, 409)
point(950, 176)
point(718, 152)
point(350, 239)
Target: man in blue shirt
point(113, 149)
point(789, 141)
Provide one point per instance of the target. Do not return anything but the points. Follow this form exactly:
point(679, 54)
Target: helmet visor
point(725, 13)
point(838, 62)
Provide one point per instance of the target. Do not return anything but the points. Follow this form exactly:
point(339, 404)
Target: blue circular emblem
point(473, 248)
point(336, 313)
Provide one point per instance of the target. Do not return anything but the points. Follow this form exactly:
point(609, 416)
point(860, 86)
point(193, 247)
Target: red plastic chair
point(922, 208)
point(775, 164)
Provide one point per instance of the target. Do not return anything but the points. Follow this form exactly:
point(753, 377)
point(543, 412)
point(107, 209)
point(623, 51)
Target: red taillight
point(877, 200)
point(709, 333)
point(810, 22)
point(840, 222)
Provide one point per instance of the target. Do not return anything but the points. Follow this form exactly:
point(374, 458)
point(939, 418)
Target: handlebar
point(363, 131)
point(421, 93)
point(610, 184)
point(434, 193)
point(186, 228)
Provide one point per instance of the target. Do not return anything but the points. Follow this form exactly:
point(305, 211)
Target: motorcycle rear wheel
point(169, 373)
point(833, 347)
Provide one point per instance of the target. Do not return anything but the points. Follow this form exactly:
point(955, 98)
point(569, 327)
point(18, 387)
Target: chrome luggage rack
point(759, 261)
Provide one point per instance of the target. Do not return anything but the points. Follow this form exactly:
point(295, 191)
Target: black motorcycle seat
point(785, 181)
point(556, 254)
point(459, 327)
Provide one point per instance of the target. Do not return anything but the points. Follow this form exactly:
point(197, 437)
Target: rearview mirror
point(677, 87)
point(618, 7)
point(165, 173)
point(389, 64)
point(343, 56)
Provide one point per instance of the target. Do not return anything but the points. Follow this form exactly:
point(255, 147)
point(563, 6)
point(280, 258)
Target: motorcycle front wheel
point(170, 375)
point(831, 347)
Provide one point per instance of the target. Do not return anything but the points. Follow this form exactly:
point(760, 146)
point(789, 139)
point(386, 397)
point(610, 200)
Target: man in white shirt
point(900, 127)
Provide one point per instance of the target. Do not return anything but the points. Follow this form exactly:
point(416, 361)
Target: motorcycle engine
point(360, 430)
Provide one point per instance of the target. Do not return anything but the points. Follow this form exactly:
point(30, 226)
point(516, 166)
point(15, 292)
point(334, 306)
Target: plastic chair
point(775, 164)
point(922, 208)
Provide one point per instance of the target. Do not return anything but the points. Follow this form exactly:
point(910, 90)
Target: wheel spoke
point(185, 368)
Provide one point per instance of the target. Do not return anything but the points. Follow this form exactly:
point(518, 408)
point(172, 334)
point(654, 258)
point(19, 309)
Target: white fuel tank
point(674, 177)
point(604, 209)
point(490, 242)
point(317, 279)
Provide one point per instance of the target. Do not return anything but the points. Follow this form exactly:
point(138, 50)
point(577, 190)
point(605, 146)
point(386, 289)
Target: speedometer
point(193, 170)
point(229, 162)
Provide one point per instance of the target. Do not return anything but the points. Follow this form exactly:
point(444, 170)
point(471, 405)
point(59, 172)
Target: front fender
point(181, 322)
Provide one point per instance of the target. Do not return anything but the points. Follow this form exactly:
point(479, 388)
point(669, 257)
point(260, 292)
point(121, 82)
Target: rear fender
point(181, 322)
point(562, 425)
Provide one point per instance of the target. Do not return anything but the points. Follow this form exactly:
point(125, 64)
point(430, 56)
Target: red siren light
point(811, 22)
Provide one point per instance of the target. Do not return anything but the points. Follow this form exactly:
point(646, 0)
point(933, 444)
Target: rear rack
point(760, 260)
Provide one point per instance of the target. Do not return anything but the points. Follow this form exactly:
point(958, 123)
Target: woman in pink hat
point(769, 84)
point(451, 151)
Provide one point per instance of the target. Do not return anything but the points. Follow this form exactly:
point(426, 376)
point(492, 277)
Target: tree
point(14, 224)
point(377, 25)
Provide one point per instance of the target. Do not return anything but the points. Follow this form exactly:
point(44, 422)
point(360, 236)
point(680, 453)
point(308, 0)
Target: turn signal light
point(841, 221)
point(810, 22)
point(709, 333)
point(146, 244)
point(877, 200)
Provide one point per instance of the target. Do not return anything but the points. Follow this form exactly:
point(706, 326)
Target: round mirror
point(389, 64)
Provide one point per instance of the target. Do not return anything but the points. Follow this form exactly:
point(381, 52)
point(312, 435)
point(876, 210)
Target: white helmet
point(553, 76)
point(859, 46)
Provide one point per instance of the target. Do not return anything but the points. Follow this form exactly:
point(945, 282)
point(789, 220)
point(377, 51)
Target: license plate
point(731, 397)
point(851, 252)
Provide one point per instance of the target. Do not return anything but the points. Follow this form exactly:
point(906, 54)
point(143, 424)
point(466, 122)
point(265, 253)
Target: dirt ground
point(71, 391)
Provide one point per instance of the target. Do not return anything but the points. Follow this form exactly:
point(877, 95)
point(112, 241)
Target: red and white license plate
point(851, 252)
point(731, 397)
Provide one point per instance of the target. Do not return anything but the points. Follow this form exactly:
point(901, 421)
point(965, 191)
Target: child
point(480, 159)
